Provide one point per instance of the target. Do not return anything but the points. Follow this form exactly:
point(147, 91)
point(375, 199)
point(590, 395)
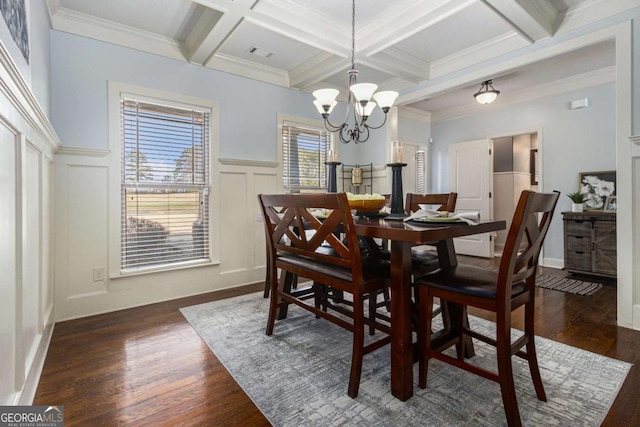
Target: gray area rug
point(299, 375)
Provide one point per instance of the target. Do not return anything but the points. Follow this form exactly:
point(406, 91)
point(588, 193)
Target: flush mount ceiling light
point(359, 105)
point(487, 94)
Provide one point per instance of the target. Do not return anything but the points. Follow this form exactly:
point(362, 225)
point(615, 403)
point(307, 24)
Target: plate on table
point(438, 219)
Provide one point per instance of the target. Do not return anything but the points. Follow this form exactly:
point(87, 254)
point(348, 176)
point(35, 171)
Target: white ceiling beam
point(403, 23)
point(535, 20)
point(211, 29)
point(218, 22)
point(431, 89)
point(397, 62)
point(317, 69)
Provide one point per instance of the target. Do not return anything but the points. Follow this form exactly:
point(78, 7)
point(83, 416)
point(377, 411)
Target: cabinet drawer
point(577, 228)
point(578, 260)
point(578, 243)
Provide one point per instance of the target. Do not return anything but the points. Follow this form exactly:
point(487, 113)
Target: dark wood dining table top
point(404, 235)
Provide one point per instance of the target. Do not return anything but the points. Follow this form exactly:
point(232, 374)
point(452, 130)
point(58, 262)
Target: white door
point(470, 172)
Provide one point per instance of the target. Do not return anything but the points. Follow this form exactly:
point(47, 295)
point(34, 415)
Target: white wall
point(572, 141)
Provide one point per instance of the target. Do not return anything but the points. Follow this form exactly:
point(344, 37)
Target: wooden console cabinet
point(590, 243)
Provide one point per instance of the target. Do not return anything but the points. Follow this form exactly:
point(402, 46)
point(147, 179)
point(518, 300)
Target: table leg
point(401, 336)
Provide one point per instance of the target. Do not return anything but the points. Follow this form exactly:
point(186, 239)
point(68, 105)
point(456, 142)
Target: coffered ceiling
point(306, 44)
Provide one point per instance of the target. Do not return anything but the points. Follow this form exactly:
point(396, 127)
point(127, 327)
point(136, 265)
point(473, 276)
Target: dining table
point(402, 237)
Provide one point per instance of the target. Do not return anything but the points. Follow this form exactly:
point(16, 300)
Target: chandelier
point(359, 105)
point(487, 94)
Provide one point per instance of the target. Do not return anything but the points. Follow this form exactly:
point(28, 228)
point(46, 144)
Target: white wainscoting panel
point(263, 183)
point(87, 219)
point(8, 253)
point(27, 147)
point(83, 181)
point(234, 232)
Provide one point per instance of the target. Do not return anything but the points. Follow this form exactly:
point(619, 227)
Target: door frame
point(540, 171)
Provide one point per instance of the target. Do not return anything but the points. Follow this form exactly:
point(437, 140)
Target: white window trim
point(118, 90)
point(281, 118)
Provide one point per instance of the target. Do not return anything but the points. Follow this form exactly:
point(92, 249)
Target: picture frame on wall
point(14, 13)
point(611, 204)
point(597, 186)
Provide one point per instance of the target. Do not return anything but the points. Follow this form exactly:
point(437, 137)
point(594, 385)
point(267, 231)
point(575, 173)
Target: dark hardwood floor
point(147, 366)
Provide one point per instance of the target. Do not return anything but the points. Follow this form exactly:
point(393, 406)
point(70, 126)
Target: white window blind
point(165, 179)
point(421, 172)
point(304, 151)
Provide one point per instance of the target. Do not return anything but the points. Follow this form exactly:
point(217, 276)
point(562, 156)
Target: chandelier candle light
point(360, 104)
point(397, 195)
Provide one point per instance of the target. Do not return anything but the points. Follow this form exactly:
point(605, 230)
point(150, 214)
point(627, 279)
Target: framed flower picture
point(597, 186)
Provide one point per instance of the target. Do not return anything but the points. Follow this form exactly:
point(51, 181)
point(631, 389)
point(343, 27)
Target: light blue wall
point(41, 55)
point(414, 131)
point(81, 68)
point(571, 141)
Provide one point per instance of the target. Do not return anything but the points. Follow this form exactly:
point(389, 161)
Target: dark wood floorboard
point(147, 366)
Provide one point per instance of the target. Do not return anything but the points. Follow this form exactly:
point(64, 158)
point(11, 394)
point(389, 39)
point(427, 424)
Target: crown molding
point(415, 114)
point(108, 31)
point(85, 152)
point(253, 163)
point(17, 92)
point(558, 87)
point(635, 139)
point(248, 69)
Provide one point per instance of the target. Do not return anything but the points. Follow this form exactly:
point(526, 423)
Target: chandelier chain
point(353, 34)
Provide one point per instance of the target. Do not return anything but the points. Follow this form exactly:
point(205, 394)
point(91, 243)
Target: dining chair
point(330, 256)
point(500, 292)
point(424, 259)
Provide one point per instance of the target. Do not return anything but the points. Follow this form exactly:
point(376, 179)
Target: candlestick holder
point(332, 180)
point(397, 195)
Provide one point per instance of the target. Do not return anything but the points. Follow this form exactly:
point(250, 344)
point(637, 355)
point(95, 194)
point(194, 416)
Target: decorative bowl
point(367, 205)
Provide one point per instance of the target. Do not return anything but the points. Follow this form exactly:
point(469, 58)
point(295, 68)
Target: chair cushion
point(475, 281)
point(373, 270)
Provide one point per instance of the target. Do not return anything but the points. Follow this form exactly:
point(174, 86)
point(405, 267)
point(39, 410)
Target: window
point(421, 172)
point(304, 151)
point(165, 172)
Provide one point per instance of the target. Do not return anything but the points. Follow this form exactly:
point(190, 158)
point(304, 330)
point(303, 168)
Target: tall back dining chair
point(501, 292)
point(423, 258)
point(327, 252)
point(441, 201)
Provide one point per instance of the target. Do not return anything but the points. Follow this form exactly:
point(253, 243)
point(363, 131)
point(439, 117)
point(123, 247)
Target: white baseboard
point(552, 263)
point(28, 392)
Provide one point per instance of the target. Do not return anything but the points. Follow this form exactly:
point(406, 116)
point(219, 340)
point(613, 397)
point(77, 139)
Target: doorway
point(516, 167)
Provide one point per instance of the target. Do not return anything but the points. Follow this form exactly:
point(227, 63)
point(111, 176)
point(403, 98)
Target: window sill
point(163, 269)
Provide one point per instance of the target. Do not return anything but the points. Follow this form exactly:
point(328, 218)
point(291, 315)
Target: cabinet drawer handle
point(579, 221)
point(579, 252)
point(579, 237)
